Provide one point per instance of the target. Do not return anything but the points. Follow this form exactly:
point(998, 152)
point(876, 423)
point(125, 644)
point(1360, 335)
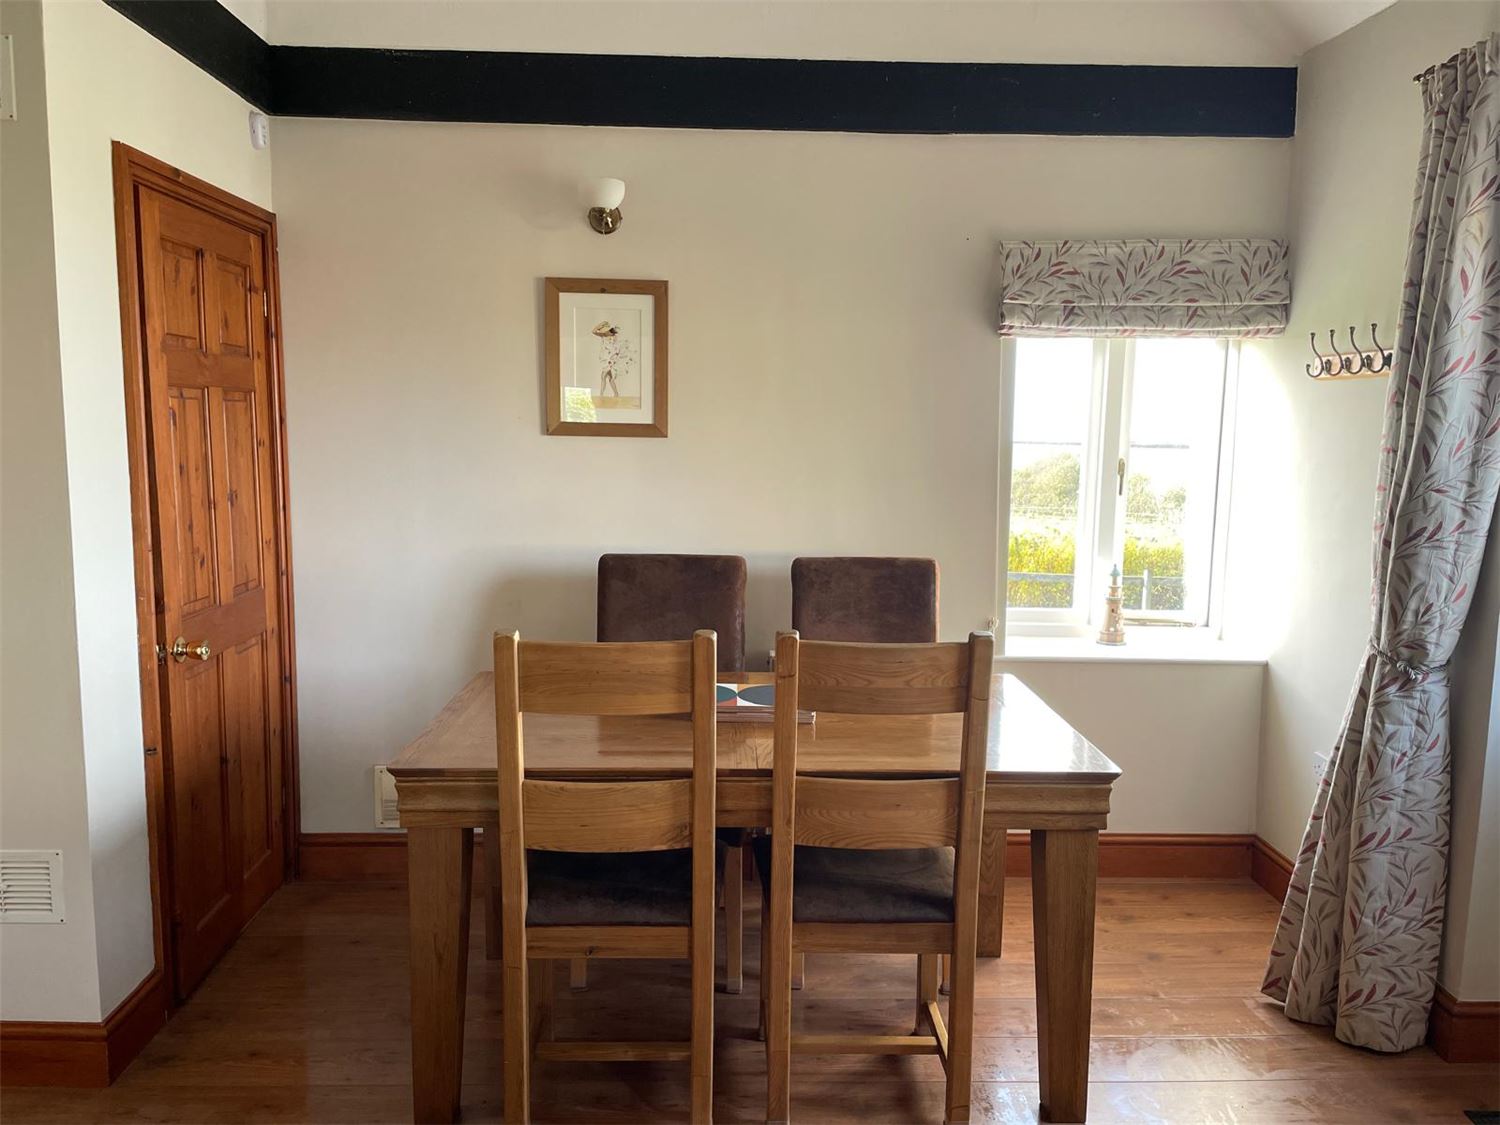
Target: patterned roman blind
point(1226, 287)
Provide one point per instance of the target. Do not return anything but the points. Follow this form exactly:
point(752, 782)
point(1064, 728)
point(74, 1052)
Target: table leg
point(492, 926)
point(1064, 869)
point(440, 875)
point(991, 890)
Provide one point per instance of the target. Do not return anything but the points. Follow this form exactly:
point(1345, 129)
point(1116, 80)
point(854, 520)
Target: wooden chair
point(655, 597)
point(666, 598)
point(876, 866)
point(604, 869)
point(890, 600)
point(877, 599)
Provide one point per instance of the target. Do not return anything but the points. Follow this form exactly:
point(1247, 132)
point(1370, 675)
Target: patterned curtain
point(1220, 287)
point(1361, 928)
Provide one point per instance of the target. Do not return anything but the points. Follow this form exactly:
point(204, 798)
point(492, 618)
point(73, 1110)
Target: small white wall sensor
point(7, 79)
point(260, 130)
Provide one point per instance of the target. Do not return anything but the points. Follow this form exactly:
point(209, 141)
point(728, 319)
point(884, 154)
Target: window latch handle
point(1120, 472)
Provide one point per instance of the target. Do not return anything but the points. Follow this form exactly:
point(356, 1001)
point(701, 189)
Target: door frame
point(133, 169)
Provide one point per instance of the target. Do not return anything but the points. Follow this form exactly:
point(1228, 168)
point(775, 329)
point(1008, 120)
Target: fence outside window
point(1144, 593)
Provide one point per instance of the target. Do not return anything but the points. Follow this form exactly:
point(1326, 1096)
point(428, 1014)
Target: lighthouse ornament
point(1113, 632)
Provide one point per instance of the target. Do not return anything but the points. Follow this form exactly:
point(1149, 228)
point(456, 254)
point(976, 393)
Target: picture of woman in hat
point(615, 358)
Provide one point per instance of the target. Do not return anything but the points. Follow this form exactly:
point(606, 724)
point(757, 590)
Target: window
point(1117, 458)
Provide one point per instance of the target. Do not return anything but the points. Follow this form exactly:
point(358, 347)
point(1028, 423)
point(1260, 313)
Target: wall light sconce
point(604, 197)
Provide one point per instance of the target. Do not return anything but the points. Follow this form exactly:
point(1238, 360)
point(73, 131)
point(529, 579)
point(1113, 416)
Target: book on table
point(751, 703)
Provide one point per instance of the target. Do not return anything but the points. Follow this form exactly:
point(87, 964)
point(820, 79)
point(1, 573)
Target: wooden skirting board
point(1133, 855)
point(1464, 1031)
point(343, 857)
point(83, 1054)
point(1270, 870)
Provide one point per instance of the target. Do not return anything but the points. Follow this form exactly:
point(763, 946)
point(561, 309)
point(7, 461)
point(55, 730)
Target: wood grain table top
point(1029, 743)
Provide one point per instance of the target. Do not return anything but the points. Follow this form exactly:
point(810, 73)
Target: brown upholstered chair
point(669, 597)
point(874, 600)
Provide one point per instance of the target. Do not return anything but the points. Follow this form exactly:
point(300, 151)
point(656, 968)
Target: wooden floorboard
point(306, 1020)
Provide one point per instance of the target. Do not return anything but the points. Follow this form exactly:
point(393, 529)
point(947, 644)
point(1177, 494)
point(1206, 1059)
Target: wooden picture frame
point(610, 335)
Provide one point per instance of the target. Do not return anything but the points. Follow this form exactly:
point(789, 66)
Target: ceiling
point(1167, 32)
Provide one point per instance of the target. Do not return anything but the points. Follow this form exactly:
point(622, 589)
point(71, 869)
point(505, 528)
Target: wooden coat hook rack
point(1356, 363)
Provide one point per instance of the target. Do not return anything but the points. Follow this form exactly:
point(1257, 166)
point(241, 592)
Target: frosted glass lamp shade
point(605, 193)
point(603, 198)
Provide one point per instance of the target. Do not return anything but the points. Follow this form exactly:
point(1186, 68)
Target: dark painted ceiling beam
point(663, 91)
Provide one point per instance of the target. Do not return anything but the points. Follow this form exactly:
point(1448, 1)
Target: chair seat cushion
point(848, 885)
point(610, 888)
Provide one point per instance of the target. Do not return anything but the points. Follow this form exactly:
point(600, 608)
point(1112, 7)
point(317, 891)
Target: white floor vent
point(385, 799)
point(31, 886)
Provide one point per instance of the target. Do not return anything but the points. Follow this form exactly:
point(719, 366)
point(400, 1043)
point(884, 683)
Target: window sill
point(1143, 645)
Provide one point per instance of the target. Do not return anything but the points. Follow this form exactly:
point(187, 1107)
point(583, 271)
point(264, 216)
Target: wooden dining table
point(1042, 775)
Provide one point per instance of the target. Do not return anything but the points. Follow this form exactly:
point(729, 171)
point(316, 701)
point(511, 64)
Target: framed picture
point(606, 357)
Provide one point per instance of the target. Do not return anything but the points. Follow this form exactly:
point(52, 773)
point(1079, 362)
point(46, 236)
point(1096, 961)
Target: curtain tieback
point(1416, 673)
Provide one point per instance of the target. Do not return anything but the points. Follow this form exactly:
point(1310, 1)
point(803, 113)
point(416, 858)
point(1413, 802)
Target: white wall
point(108, 80)
point(834, 374)
point(1184, 733)
point(1307, 452)
point(1470, 967)
point(42, 802)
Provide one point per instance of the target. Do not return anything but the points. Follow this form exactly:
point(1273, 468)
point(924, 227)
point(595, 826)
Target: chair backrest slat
point(836, 812)
point(625, 678)
point(876, 679)
point(632, 816)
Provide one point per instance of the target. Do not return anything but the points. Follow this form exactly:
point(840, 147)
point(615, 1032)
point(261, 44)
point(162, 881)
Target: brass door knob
point(181, 650)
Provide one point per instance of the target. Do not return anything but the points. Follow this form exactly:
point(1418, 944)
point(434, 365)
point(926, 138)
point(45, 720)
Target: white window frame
point(1101, 521)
